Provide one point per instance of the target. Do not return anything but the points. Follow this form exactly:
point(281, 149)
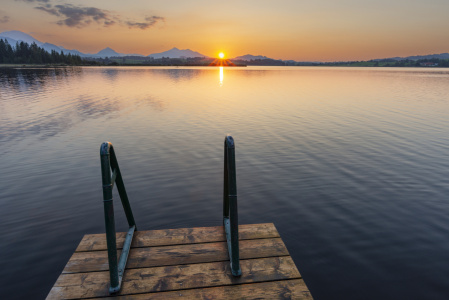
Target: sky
point(302, 30)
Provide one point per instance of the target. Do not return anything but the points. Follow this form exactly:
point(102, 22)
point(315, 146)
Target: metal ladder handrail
point(230, 213)
point(108, 163)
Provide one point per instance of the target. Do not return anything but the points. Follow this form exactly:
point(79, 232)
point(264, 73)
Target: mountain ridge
point(177, 53)
point(416, 57)
point(250, 57)
point(108, 52)
point(14, 36)
point(21, 36)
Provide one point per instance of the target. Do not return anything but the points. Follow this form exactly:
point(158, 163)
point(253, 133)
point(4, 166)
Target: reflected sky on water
point(351, 164)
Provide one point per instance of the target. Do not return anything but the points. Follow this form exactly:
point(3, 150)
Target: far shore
point(43, 66)
point(123, 65)
point(34, 66)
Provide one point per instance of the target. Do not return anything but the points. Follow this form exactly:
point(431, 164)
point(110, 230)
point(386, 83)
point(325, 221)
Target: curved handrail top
point(105, 148)
point(229, 141)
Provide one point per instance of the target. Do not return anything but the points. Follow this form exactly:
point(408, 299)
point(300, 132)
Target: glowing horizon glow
point(221, 55)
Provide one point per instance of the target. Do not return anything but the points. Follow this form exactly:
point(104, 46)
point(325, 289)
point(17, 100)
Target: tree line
point(437, 62)
point(23, 53)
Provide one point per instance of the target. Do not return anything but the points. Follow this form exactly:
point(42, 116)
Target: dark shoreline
point(42, 66)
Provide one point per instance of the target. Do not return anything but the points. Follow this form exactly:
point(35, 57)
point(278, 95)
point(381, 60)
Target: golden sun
point(221, 55)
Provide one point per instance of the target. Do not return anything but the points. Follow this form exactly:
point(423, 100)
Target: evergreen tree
point(24, 53)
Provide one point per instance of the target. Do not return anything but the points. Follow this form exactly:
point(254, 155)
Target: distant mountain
point(10, 41)
point(108, 52)
point(417, 57)
point(20, 36)
point(74, 52)
point(440, 56)
point(15, 36)
point(250, 57)
point(177, 53)
point(49, 47)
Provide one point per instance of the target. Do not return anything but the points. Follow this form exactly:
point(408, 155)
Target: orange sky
point(321, 30)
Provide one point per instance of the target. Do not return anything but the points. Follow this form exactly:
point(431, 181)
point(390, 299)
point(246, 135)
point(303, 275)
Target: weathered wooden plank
point(285, 289)
point(158, 279)
point(93, 242)
point(176, 255)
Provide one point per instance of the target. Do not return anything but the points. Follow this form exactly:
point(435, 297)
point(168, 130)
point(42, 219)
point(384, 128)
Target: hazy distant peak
point(49, 47)
point(416, 57)
point(108, 52)
point(20, 36)
point(250, 57)
point(177, 53)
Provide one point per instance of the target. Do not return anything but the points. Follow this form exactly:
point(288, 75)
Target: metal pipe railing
point(109, 163)
point(230, 213)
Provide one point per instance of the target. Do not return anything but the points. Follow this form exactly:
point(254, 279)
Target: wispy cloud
point(49, 9)
point(45, 1)
point(149, 22)
point(82, 16)
point(78, 16)
point(4, 18)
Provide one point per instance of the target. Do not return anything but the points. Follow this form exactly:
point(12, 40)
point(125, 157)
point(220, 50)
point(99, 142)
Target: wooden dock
point(188, 263)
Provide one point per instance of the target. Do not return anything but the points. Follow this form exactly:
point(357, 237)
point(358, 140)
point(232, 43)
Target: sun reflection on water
point(221, 76)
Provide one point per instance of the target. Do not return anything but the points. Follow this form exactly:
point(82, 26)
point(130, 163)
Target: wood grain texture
point(176, 255)
point(285, 289)
point(173, 278)
point(94, 242)
point(187, 263)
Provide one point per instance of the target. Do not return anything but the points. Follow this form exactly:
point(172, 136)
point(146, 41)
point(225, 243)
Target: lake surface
point(350, 164)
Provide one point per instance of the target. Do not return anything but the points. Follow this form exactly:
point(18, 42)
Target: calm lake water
point(350, 164)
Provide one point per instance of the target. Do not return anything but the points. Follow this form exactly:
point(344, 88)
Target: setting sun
point(221, 55)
